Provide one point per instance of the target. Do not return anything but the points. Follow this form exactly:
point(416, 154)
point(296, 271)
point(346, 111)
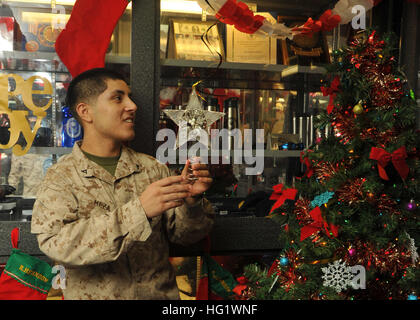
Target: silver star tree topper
point(193, 119)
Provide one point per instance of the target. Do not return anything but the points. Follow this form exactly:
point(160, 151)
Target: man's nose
point(130, 105)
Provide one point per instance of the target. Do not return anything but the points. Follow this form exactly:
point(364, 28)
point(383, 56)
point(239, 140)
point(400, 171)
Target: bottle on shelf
point(231, 109)
point(72, 131)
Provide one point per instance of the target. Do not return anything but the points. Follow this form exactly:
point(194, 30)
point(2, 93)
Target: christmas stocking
point(24, 277)
point(216, 283)
point(83, 43)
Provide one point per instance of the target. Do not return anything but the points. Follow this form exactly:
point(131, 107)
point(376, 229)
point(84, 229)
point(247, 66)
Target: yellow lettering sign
point(18, 118)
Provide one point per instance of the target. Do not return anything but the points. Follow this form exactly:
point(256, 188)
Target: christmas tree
point(349, 225)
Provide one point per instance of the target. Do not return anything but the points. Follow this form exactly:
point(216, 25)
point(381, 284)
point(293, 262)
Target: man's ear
point(84, 112)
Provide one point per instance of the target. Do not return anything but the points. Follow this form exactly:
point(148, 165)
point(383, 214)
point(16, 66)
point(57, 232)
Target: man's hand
point(202, 181)
point(165, 194)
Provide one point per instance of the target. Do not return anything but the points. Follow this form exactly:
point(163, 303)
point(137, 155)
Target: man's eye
point(118, 98)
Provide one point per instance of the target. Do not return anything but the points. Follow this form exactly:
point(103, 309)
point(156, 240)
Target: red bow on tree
point(332, 92)
point(281, 196)
point(309, 169)
point(242, 285)
point(318, 224)
point(239, 15)
point(398, 160)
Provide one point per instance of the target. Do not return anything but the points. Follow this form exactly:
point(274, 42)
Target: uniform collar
point(126, 165)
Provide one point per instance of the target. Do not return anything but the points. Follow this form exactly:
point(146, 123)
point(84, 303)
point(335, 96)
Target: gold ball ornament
point(358, 109)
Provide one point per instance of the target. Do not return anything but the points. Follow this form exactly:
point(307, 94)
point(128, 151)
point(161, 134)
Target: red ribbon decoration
point(8, 21)
point(242, 285)
point(281, 196)
point(398, 160)
point(327, 21)
point(309, 169)
point(317, 225)
point(332, 92)
point(239, 15)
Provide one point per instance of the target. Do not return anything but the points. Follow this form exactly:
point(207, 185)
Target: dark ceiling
point(308, 8)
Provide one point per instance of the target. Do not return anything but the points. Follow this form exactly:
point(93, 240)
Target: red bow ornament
point(327, 21)
point(239, 15)
point(318, 224)
point(281, 196)
point(8, 21)
point(332, 92)
point(242, 285)
point(398, 160)
point(309, 169)
point(310, 27)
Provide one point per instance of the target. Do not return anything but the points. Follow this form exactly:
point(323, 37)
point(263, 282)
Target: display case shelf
point(240, 75)
point(66, 150)
point(43, 150)
point(285, 71)
point(52, 56)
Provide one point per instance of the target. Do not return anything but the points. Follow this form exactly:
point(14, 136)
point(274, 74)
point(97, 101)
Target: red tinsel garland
point(391, 259)
point(386, 89)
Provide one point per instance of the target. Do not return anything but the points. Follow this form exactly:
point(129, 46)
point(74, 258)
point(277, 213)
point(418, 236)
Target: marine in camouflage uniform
point(93, 223)
point(110, 224)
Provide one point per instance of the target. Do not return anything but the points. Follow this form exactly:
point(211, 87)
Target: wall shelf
point(67, 150)
point(53, 57)
point(284, 70)
point(43, 150)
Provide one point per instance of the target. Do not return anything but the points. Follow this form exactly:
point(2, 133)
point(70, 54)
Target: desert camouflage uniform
point(93, 224)
point(29, 167)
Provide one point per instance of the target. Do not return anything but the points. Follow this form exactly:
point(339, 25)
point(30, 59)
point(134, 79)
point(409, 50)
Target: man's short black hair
point(87, 86)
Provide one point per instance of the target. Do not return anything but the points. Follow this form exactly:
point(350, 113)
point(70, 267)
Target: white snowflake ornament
point(337, 275)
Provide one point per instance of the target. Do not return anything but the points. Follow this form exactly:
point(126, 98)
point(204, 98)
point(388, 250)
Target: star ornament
point(194, 119)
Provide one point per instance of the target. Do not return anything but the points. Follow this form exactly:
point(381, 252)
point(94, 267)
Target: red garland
point(385, 87)
point(288, 275)
point(390, 259)
point(301, 211)
point(239, 15)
